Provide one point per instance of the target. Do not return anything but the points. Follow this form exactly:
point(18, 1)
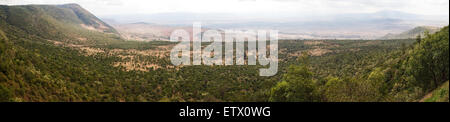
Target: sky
point(124, 7)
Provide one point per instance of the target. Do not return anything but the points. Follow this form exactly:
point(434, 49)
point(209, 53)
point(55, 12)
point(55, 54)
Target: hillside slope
point(69, 23)
point(438, 95)
point(413, 33)
point(33, 68)
point(403, 75)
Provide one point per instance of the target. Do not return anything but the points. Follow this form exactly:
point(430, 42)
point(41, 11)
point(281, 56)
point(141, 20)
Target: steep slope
point(87, 19)
point(403, 75)
point(421, 68)
point(32, 68)
point(438, 95)
point(69, 22)
point(412, 33)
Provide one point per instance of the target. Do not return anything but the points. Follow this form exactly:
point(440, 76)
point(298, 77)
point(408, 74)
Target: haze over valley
point(340, 26)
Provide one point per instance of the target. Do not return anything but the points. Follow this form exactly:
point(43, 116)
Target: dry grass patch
point(319, 52)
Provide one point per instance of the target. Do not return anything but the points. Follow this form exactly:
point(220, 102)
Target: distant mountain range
point(293, 26)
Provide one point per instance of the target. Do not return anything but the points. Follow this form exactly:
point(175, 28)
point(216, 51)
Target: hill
point(68, 22)
point(413, 33)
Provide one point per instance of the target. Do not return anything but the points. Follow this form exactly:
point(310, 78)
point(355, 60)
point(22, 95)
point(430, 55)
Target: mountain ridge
point(53, 21)
point(413, 33)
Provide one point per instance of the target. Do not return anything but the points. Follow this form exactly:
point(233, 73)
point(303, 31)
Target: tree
point(337, 90)
point(418, 38)
point(429, 61)
point(297, 84)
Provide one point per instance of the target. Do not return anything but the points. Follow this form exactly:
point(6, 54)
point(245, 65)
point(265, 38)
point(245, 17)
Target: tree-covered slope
point(403, 75)
point(32, 68)
point(69, 23)
point(35, 70)
point(438, 95)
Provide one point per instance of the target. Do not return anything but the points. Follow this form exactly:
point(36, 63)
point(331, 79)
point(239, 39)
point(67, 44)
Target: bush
point(5, 94)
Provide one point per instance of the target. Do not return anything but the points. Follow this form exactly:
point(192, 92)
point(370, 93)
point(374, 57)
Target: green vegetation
point(405, 75)
point(297, 84)
point(438, 95)
point(42, 59)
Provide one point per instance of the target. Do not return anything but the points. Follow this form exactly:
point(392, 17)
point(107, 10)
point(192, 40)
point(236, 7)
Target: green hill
point(85, 18)
point(403, 75)
point(35, 69)
point(69, 22)
point(411, 34)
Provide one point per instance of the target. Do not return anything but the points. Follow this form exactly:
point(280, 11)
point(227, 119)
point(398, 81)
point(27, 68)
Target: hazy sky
point(114, 7)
